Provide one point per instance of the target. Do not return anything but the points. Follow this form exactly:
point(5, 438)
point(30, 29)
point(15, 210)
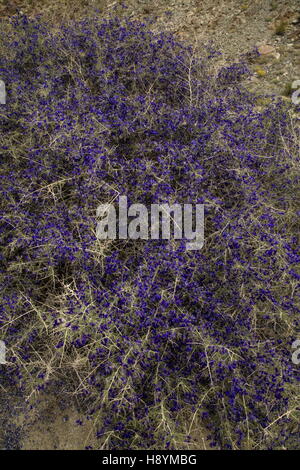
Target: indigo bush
point(151, 338)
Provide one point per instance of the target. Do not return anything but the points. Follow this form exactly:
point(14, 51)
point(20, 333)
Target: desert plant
point(147, 335)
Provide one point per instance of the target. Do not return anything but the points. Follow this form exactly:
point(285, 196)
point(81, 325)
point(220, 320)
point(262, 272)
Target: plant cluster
point(151, 338)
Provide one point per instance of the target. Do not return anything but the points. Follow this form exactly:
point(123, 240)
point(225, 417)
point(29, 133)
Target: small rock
point(266, 49)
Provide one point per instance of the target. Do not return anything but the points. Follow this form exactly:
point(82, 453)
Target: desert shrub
point(149, 337)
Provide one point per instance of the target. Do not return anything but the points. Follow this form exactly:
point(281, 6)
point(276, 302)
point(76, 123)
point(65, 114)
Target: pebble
point(266, 49)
